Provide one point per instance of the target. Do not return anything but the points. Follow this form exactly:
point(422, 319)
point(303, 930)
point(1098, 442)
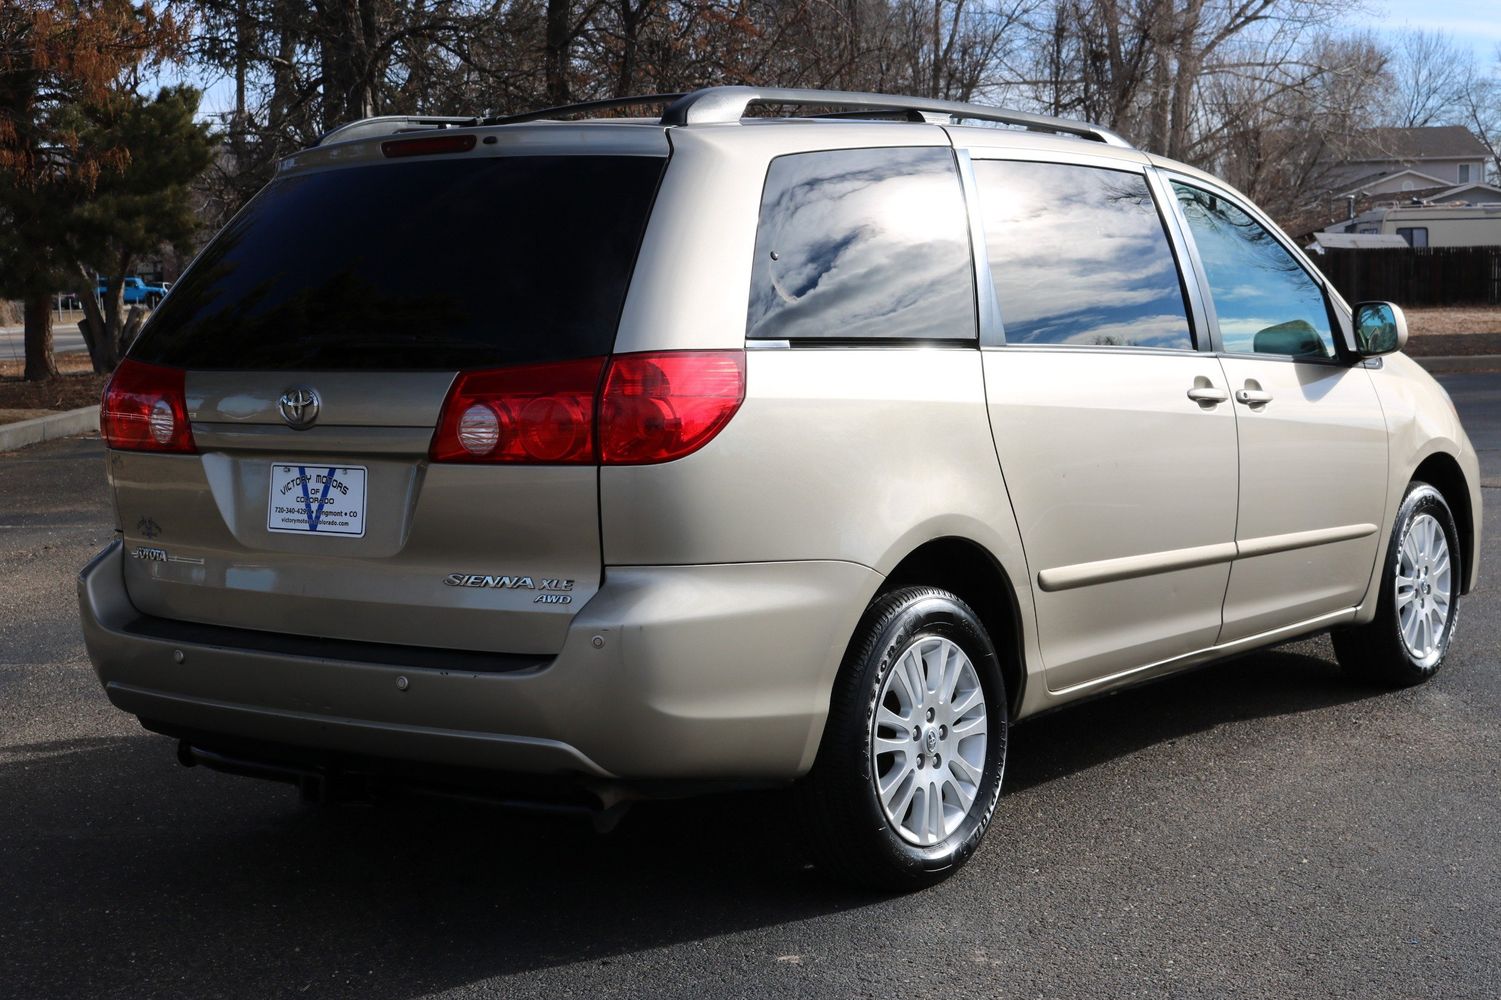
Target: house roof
point(1366, 180)
point(1455, 192)
point(1434, 142)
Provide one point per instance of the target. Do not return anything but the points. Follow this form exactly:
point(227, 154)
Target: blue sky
point(1477, 22)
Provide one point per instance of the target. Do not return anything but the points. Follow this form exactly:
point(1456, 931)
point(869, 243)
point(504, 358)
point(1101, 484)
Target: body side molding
point(1130, 567)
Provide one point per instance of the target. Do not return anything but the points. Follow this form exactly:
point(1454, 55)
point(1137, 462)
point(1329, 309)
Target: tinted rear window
point(858, 244)
point(440, 264)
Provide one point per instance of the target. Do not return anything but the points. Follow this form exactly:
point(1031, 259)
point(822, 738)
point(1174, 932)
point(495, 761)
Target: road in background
point(1258, 828)
point(66, 339)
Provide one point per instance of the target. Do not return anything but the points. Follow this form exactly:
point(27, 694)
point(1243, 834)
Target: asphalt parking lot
point(1258, 828)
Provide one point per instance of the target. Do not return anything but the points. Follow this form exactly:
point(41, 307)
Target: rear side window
point(439, 264)
point(858, 244)
point(1079, 256)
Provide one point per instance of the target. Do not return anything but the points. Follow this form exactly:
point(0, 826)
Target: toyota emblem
point(298, 406)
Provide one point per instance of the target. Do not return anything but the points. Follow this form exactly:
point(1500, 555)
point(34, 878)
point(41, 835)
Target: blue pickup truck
point(138, 292)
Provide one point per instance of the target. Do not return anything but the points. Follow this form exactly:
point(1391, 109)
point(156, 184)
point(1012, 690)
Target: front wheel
point(1419, 604)
point(909, 770)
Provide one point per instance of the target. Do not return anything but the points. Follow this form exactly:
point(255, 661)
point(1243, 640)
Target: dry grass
point(75, 386)
point(67, 364)
point(1453, 320)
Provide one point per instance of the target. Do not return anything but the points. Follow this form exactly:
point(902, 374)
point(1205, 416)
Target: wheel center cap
point(1427, 589)
point(931, 740)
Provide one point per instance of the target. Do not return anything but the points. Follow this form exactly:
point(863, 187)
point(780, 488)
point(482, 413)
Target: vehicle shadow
point(1260, 685)
point(129, 876)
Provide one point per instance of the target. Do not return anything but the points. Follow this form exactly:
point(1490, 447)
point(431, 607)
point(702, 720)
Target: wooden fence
point(1423, 276)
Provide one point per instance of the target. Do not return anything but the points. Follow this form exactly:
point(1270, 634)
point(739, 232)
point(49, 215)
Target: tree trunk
point(343, 28)
point(132, 329)
point(630, 29)
point(39, 362)
point(93, 326)
point(114, 309)
point(555, 59)
point(935, 84)
point(1190, 58)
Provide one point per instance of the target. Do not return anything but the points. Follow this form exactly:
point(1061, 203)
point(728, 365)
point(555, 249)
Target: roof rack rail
point(544, 114)
point(365, 128)
point(725, 105)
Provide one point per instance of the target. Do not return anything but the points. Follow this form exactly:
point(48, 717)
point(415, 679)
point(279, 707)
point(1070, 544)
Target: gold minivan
point(583, 461)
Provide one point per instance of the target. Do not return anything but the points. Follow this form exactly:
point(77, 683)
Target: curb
point(54, 425)
point(1459, 362)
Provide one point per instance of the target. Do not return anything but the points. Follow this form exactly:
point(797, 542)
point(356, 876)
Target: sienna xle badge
point(584, 461)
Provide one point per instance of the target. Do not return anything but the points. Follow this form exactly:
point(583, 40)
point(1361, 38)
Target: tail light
point(145, 409)
point(658, 407)
point(530, 413)
point(646, 408)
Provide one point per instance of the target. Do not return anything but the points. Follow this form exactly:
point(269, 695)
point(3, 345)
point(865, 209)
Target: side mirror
point(1380, 328)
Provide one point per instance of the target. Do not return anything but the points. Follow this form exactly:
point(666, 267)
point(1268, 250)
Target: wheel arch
point(1441, 471)
point(975, 576)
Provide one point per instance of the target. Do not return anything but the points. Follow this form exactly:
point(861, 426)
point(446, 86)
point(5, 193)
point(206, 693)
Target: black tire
point(152, 301)
point(851, 838)
point(1377, 652)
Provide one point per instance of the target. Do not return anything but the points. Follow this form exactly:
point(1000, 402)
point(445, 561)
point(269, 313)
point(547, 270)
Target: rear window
point(440, 264)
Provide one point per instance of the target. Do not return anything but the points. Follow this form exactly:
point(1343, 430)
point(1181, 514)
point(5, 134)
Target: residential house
point(1425, 185)
point(1397, 161)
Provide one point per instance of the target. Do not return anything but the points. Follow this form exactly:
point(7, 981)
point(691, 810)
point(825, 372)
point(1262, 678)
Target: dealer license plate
point(317, 499)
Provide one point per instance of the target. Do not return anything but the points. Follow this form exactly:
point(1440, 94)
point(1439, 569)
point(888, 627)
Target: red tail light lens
point(531, 413)
point(145, 409)
point(651, 408)
point(662, 406)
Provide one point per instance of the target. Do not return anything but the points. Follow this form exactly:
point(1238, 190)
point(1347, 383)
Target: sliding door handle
point(1207, 394)
point(1253, 397)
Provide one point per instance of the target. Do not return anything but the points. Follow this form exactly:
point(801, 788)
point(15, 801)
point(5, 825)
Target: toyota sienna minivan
point(584, 461)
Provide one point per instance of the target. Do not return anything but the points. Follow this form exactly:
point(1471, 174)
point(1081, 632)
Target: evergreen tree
point(134, 211)
point(60, 61)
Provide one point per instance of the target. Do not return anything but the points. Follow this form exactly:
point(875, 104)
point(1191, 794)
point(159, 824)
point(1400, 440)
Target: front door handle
point(1253, 397)
point(1207, 394)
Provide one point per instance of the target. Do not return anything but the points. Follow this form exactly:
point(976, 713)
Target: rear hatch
point(320, 334)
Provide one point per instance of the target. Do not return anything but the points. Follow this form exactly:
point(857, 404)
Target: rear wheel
point(1419, 604)
point(910, 767)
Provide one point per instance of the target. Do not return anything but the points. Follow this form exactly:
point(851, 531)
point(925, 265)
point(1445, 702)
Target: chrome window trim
point(1196, 264)
point(987, 304)
point(1296, 359)
point(1166, 352)
point(1203, 322)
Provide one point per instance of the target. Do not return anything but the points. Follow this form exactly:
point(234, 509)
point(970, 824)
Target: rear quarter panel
point(856, 455)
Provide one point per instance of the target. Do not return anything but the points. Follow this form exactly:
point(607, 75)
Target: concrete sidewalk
point(66, 423)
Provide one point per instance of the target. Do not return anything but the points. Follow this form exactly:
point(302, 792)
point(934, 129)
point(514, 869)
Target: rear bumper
point(669, 672)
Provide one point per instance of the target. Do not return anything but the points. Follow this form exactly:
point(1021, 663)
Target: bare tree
point(1480, 110)
point(1430, 75)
